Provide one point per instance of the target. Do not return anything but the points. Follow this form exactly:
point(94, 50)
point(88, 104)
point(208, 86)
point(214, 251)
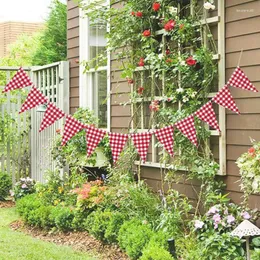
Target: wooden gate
point(53, 81)
point(30, 153)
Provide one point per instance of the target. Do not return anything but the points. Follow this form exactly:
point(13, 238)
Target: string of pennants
point(141, 141)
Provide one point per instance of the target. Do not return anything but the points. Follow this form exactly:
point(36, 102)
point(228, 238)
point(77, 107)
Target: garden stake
point(172, 249)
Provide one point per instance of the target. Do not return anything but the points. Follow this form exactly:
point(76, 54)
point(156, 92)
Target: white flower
point(183, 63)
point(213, 7)
point(208, 6)
point(185, 99)
point(179, 90)
point(193, 95)
point(255, 183)
point(160, 56)
point(173, 10)
point(198, 224)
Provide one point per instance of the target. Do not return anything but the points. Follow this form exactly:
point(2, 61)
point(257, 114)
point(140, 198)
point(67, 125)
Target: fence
point(14, 130)
point(29, 153)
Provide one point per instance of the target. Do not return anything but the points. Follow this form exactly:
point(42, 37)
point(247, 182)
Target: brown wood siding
point(242, 32)
point(73, 53)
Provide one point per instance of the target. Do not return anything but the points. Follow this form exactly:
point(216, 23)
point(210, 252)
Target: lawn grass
point(15, 245)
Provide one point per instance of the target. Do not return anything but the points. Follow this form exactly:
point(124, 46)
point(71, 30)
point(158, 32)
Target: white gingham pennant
point(141, 142)
point(19, 80)
point(187, 127)
point(206, 113)
point(165, 137)
point(239, 80)
point(225, 99)
point(51, 115)
point(117, 142)
point(93, 137)
point(72, 127)
point(34, 99)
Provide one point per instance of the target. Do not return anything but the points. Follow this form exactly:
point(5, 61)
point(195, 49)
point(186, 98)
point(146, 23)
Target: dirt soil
point(6, 204)
point(81, 241)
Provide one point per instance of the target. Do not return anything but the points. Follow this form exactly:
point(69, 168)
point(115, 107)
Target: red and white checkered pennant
point(72, 127)
point(34, 99)
point(141, 142)
point(51, 115)
point(207, 114)
point(117, 142)
point(239, 80)
point(225, 99)
point(19, 80)
point(165, 137)
point(187, 127)
point(93, 137)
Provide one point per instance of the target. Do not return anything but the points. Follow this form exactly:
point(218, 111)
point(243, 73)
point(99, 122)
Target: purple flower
point(212, 210)
point(216, 218)
point(245, 215)
point(24, 186)
point(215, 226)
point(230, 219)
point(198, 224)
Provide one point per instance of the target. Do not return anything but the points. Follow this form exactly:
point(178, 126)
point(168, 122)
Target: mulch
point(7, 204)
point(80, 241)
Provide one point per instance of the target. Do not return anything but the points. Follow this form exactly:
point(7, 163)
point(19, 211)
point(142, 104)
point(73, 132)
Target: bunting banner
point(117, 142)
point(19, 80)
point(34, 99)
point(141, 142)
point(72, 127)
point(165, 137)
point(51, 115)
point(206, 113)
point(239, 80)
point(225, 99)
point(187, 127)
point(93, 137)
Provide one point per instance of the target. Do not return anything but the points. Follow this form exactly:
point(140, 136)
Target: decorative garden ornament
point(246, 229)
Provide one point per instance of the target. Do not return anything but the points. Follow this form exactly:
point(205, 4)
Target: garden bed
point(80, 241)
point(7, 204)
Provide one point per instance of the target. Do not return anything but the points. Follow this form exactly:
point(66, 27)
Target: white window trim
point(86, 95)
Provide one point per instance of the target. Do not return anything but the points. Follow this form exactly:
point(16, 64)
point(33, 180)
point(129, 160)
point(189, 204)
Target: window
point(94, 83)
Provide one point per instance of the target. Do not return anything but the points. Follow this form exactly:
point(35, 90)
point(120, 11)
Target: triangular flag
point(165, 137)
point(72, 127)
point(117, 142)
point(34, 99)
point(225, 99)
point(51, 115)
point(187, 127)
point(93, 137)
point(239, 80)
point(19, 80)
point(206, 113)
point(141, 142)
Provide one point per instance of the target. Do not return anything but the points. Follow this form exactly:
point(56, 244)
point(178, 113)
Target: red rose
point(141, 62)
point(181, 26)
point(139, 14)
point(140, 91)
point(133, 13)
point(190, 61)
point(156, 6)
point(147, 33)
point(251, 150)
point(168, 52)
point(130, 81)
point(169, 25)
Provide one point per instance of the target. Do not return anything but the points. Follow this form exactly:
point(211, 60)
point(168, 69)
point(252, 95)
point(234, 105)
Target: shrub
point(133, 237)
point(155, 252)
point(23, 187)
point(78, 220)
point(5, 185)
point(40, 217)
point(62, 218)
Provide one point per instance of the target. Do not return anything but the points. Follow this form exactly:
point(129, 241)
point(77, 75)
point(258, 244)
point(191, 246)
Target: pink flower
point(245, 215)
point(154, 106)
point(212, 210)
point(24, 186)
point(216, 218)
point(230, 219)
point(198, 224)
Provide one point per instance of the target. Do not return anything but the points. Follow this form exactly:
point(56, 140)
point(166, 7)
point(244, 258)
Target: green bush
point(62, 218)
point(133, 237)
point(78, 220)
point(5, 185)
point(40, 217)
point(156, 252)
point(23, 187)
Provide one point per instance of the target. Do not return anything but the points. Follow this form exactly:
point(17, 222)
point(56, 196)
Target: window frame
point(86, 88)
